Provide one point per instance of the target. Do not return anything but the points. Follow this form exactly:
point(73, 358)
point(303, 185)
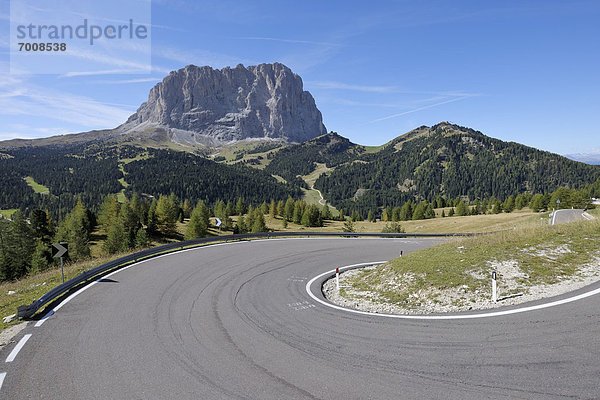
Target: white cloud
point(422, 108)
point(22, 99)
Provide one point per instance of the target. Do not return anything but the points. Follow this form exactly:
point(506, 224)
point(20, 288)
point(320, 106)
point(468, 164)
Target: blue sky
point(523, 71)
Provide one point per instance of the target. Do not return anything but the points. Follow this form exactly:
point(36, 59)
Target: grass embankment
point(532, 256)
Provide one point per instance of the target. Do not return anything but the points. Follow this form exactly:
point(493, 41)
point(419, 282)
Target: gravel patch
point(511, 289)
point(7, 335)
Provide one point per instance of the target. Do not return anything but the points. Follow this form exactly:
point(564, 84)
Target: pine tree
point(451, 212)
point(348, 226)
point(264, 208)
point(241, 226)
point(272, 209)
point(142, 239)
point(288, 212)
point(385, 217)
point(297, 216)
point(497, 208)
point(116, 238)
point(406, 212)
point(187, 209)
point(152, 222)
point(22, 245)
point(419, 212)
point(41, 224)
point(370, 216)
point(166, 214)
point(280, 208)
point(537, 202)
point(462, 209)
point(520, 201)
point(509, 204)
point(199, 222)
point(429, 211)
point(108, 211)
point(240, 207)
point(80, 231)
point(41, 257)
point(258, 222)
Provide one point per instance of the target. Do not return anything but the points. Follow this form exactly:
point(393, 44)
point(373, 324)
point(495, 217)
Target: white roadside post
point(494, 291)
point(337, 278)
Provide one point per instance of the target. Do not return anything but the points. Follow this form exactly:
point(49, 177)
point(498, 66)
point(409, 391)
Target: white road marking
point(44, 318)
point(302, 305)
point(441, 317)
point(13, 354)
point(2, 376)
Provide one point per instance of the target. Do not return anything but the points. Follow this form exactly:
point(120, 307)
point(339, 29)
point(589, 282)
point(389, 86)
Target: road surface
point(235, 321)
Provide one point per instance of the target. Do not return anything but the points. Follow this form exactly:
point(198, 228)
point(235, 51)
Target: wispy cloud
point(346, 86)
point(21, 98)
point(273, 39)
point(128, 81)
point(423, 108)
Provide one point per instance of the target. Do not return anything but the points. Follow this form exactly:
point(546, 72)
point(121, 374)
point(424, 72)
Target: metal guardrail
point(27, 311)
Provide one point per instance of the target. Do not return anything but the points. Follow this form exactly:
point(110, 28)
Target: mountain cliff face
point(202, 105)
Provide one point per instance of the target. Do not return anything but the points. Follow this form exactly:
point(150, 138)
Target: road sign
point(60, 250)
point(219, 222)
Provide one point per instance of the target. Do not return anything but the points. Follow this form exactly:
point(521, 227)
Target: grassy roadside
point(534, 255)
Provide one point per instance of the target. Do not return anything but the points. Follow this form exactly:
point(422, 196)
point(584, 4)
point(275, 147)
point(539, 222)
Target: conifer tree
point(187, 209)
point(240, 207)
point(509, 204)
point(258, 222)
point(297, 217)
point(41, 257)
point(199, 222)
point(280, 208)
point(289, 209)
point(462, 209)
point(142, 239)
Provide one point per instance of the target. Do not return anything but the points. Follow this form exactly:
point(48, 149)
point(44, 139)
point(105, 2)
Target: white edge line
point(86, 287)
point(440, 317)
point(13, 354)
point(2, 376)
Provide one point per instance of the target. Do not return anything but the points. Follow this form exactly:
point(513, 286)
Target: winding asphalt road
point(235, 321)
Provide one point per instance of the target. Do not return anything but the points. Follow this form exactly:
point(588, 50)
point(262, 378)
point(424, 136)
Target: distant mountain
point(452, 161)
point(588, 158)
point(201, 106)
point(331, 149)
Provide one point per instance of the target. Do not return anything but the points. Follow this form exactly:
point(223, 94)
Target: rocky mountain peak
point(202, 105)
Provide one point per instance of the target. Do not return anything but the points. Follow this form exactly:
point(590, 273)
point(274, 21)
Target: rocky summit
point(206, 106)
